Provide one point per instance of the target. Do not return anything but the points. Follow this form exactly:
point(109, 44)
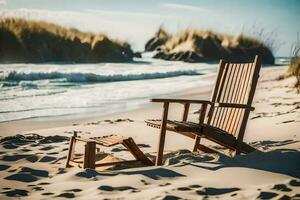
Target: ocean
point(38, 91)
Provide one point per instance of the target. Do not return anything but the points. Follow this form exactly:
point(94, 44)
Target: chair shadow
point(281, 160)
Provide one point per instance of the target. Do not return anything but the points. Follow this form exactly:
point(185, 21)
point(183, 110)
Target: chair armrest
point(182, 101)
point(234, 105)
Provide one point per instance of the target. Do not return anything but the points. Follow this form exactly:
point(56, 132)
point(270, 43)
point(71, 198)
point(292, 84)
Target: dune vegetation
point(294, 67)
point(201, 46)
point(37, 41)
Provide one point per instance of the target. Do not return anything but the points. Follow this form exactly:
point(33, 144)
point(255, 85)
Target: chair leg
point(162, 137)
point(196, 144)
point(89, 155)
point(238, 150)
point(201, 120)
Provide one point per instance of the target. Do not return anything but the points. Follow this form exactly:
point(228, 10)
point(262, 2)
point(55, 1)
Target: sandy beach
point(32, 164)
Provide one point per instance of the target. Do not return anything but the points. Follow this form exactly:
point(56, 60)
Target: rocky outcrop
point(37, 42)
point(206, 46)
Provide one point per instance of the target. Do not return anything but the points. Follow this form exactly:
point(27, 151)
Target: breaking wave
point(91, 77)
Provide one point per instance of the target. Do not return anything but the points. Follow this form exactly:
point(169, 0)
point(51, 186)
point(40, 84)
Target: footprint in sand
point(22, 178)
point(108, 188)
point(296, 196)
point(32, 159)
point(118, 149)
point(87, 173)
point(59, 159)
point(25, 150)
point(54, 139)
point(195, 186)
point(281, 187)
point(164, 184)
point(52, 153)
point(12, 170)
point(216, 191)
point(16, 193)
point(27, 174)
point(43, 183)
point(47, 148)
point(67, 195)
point(37, 188)
point(4, 167)
point(61, 171)
point(170, 197)
point(10, 146)
point(267, 195)
point(16, 157)
point(74, 190)
point(47, 159)
point(144, 182)
point(47, 193)
point(184, 189)
point(288, 121)
point(295, 183)
point(35, 172)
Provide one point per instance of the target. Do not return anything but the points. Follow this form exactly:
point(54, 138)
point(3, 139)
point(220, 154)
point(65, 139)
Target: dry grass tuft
point(294, 68)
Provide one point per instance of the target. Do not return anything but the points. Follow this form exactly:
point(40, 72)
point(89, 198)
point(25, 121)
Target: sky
point(137, 20)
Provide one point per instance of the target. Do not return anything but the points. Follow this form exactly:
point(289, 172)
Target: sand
point(32, 163)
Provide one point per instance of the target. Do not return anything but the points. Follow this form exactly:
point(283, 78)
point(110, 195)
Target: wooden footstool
point(106, 141)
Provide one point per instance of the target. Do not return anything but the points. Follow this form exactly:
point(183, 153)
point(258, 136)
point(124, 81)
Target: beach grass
point(207, 45)
point(38, 41)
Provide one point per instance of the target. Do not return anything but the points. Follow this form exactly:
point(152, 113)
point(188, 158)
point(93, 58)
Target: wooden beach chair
point(222, 120)
point(89, 159)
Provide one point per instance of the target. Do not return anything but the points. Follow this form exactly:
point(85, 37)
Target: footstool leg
point(71, 150)
point(89, 155)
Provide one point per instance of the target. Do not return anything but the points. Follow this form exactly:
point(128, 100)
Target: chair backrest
point(236, 83)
